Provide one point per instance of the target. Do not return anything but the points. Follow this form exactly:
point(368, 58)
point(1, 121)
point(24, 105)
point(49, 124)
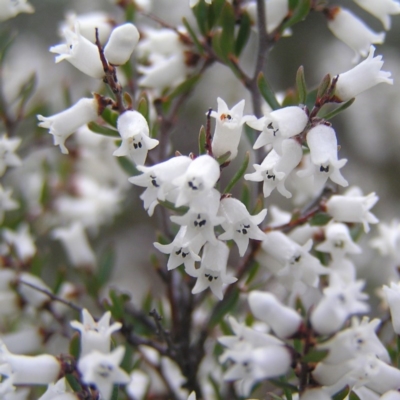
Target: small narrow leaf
point(353, 396)
point(320, 219)
point(301, 86)
point(143, 106)
point(299, 13)
point(243, 34)
point(283, 385)
point(103, 130)
point(128, 166)
point(106, 264)
point(224, 158)
point(239, 174)
point(193, 36)
point(184, 87)
point(290, 98)
point(293, 4)
point(202, 141)
point(315, 356)
point(110, 117)
point(228, 30)
point(200, 12)
point(245, 197)
point(267, 93)
point(223, 308)
point(342, 394)
point(27, 89)
point(323, 86)
point(339, 109)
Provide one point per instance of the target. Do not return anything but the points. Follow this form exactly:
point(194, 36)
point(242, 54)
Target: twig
point(208, 133)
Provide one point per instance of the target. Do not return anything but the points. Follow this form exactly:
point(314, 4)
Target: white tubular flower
point(103, 371)
point(198, 180)
point(353, 208)
point(340, 301)
point(275, 12)
point(381, 10)
point(120, 45)
point(279, 125)
point(239, 225)
point(275, 169)
point(323, 147)
point(6, 202)
point(30, 370)
point(212, 271)
point(157, 180)
point(388, 241)
point(392, 295)
point(362, 77)
point(76, 245)
point(22, 241)
point(254, 365)
point(65, 123)
point(352, 31)
point(338, 242)
point(88, 23)
point(11, 8)
point(95, 336)
point(58, 391)
point(139, 385)
point(8, 158)
point(80, 52)
point(390, 395)
point(228, 128)
point(284, 321)
point(136, 142)
point(182, 251)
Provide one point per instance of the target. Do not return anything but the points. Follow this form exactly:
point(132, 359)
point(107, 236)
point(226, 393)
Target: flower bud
point(283, 320)
point(120, 45)
point(10, 9)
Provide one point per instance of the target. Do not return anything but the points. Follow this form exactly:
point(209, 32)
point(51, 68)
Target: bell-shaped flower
point(275, 169)
point(120, 45)
point(212, 271)
point(353, 208)
point(95, 336)
point(201, 219)
point(322, 143)
point(157, 180)
point(11, 8)
point(228, 128)
point(30, 370)
point(182, 251)
point(66, 122)
point(76, 245)
point(136, 142)
point(381, 10)
point(283, 320)
point(103, 371)
point(275, 12)
point(279, 125)
point(340, 301)
point(88, 23)
point(388, 241)
point(22, 241)
point(80, 52)
point(239, 225)
point(8, 158)
point(198, 180)
point(362, 77)
point(390, 395)
point(6, 202)
point(254, 365)
point(338, 242)
point(139, 385)
point(392, 295)
point(352, 31)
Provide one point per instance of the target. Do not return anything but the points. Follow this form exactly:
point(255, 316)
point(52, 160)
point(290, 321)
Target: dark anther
point(324, 169)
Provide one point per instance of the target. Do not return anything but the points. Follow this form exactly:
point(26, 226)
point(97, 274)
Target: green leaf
point(216, 387)
point(342, 394)
point(27, 89)
point(254, 268)
point(323, 86)
point(320, 219)
point(299, 13)
point(353, 396)
point(110, 117)
point(301, 86)
point(6, 40)
point(283, 385)
point(224, 158)
point(143, 106)
point(201, 14)
point(315, 356)
point(227, 39)
point(290, 98)
point(239, 174)
point(293, 4)
point(193, 36)
point(267, 93)
point(73, 382)
point(118, 301)
point(128, 166)
point(114, 395)
point(245, 197)
point(185, 86)
point(75, 345)
point(243, 34)
point(106, 264)
point(338, 110)
point(103, 130)
point(202, 141)
point(223, 308)
point(214, 12)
